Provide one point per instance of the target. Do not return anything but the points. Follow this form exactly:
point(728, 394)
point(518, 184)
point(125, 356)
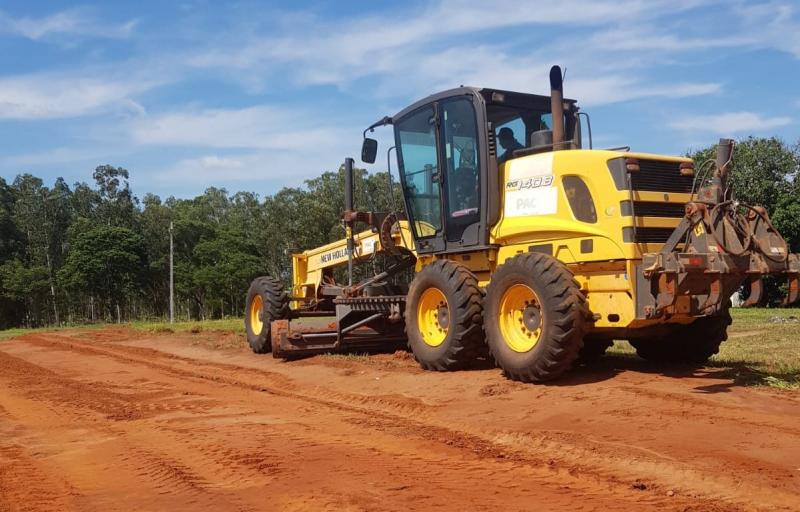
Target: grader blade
point(363, 324)
point(756, 292)
point(793, 294)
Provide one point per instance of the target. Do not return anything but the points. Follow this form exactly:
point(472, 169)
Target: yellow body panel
point(536, 215)
point(308, 266)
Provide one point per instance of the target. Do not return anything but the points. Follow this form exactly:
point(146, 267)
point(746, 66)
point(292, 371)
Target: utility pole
point(171, 279)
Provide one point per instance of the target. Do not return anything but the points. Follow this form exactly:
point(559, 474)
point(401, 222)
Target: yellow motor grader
point(526, 247)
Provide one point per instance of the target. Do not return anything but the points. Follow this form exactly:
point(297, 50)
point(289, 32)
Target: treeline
point(96, 252)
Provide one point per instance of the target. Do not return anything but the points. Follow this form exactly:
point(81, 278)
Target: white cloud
point(774, 24)
point(54, 156)
point(257, 127)
point(732, 24)
point(58, 95)
point(76, 22)
point(729, 123)
point(488, 66)
point(319, 52)
point(261, 143)
point(275, 167)
point(654, 38)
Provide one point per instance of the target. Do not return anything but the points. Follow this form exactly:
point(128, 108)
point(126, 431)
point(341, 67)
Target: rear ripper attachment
point(366, 315)
point(719, 244)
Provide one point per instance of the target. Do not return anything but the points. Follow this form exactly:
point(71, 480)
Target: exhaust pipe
point(348, 213)
point(557, 106)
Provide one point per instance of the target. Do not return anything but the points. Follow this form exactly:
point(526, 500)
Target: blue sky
point(259, 95)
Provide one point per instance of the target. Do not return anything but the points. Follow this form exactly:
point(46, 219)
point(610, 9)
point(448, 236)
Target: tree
point(107, 263)
point(10, 237)
point(24, 291)
point(226, 265)
point(117, 205)
point(154, 223)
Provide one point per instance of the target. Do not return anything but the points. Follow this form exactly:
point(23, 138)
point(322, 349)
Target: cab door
point(418, 158)
point(438, 158)
point(462, 177)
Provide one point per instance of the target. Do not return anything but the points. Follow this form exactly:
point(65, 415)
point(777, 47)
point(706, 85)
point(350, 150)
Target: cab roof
point(492, 96)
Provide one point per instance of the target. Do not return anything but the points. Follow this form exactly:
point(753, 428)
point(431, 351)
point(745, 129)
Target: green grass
point(8, 334)
point(235, 325)
point(13, 333)
point(758, 351)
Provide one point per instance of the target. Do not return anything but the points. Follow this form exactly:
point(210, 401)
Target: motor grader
point(533, 256)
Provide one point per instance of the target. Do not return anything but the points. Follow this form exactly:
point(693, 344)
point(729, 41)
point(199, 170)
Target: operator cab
point(448, 158)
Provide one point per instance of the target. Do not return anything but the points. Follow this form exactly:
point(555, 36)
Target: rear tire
point(690, 344)
point(535, 317)
point(266, 301)
point(443, 317)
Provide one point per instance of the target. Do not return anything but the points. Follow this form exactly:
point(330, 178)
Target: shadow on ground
point(731, 374)
point(726, 376)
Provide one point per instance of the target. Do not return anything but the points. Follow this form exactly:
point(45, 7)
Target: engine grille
point(652, 235)
point(651, 209)
point(658, 176)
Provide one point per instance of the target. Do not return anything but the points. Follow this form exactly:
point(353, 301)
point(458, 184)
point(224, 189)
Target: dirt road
point(115, 420)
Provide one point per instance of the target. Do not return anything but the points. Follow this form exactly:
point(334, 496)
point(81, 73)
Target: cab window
point(419, 170)
point(462, 183)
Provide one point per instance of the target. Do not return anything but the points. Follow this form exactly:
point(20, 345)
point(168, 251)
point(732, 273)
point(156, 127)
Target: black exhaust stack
point(557, 106)
point(348, 215)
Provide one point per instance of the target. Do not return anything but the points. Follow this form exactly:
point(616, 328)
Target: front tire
point(444, 316)
point(266, 301)
point(535, 317)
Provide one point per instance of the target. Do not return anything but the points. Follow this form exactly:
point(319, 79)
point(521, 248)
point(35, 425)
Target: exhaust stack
point(557, 106)
point(348, 215)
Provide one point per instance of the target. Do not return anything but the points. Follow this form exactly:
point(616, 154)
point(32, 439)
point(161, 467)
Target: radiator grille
point(653, 235)
point(651, 209)
point(658, 176)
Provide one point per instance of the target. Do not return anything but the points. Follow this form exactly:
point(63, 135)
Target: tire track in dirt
point(24, 486)
point(25, 483)
point(354, 459)
point(499, 446)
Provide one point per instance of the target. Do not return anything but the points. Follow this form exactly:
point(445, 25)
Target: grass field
point(763, 346)
point(229, 324)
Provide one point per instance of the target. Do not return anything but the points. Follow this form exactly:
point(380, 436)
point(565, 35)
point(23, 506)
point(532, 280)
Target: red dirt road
point(114, 420)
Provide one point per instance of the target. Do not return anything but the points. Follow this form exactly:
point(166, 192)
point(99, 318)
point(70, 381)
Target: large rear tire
point(444, 317)
point(690, 344)
point(266, 301)
point(535, 317)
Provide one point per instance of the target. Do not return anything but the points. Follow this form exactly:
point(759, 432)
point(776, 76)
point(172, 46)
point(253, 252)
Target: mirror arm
point(383, 122)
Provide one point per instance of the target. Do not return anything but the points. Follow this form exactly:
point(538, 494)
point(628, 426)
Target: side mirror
point(369, 150)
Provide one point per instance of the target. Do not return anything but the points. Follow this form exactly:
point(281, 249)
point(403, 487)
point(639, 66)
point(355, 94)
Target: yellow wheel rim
point(255, 314)
point(521, 318)
point(433, 317)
